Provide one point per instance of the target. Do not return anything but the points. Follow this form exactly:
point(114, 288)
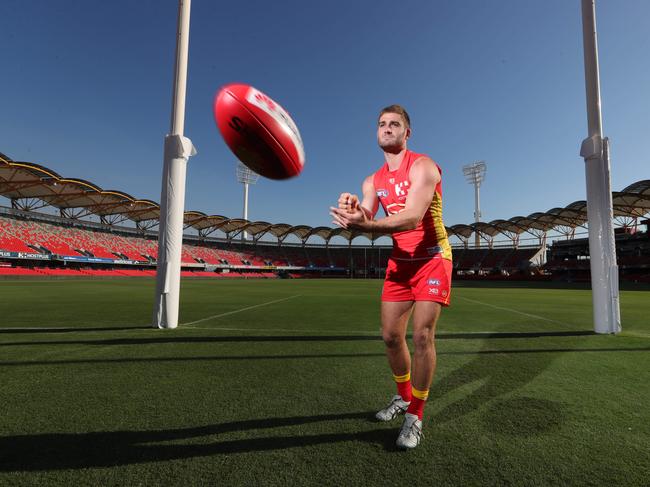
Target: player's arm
point(370, 202)
point(424, 176)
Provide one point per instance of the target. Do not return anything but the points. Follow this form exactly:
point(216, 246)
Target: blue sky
point(86, 91)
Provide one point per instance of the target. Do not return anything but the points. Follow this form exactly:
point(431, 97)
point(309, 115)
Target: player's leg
point(425, 316)
point(432, 288)
point(432, 291)
point(394, 320)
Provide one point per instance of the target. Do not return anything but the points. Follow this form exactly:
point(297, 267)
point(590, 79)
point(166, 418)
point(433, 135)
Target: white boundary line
point(239, 310)
point(294, 330)
point(513, 311)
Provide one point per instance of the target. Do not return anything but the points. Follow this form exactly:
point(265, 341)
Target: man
point(418, 276)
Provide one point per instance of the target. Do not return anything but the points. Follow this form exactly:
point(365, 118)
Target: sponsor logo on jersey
point(444, 293)
point(382, 193)
point(395, 208)
point(391, 180)
point(433, 282)
point(434, 291)
point(400, 188)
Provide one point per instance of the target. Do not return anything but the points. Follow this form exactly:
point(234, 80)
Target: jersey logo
point(382, 193)
point(400, 188)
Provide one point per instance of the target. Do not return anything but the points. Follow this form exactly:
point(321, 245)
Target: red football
point(259, 131)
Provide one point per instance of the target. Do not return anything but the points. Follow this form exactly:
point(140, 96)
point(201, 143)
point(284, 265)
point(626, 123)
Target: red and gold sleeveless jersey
point(429, 238)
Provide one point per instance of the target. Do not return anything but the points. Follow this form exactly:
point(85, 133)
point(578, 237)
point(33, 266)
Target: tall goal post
point(595, 151)
point(177, 151)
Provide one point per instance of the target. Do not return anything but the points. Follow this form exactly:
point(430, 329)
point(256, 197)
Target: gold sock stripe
point(402, 378)
point(423, 395)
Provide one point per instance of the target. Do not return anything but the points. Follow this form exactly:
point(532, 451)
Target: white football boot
point(411, 432)
point(396, 407)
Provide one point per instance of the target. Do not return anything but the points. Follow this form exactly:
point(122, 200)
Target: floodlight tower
point(246, 177)
point(475, 174)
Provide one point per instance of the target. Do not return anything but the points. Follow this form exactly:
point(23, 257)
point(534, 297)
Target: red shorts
point(418, 280)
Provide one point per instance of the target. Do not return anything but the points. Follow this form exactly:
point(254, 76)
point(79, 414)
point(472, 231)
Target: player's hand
point(348, 202)
point(352, 218)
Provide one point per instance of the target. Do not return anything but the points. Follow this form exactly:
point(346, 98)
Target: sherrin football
point(259, 131)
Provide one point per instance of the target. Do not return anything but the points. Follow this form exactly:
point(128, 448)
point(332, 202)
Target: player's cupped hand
point(348, 202)
point(349, 215)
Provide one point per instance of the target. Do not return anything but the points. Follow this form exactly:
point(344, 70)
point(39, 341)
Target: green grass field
point(277, 382)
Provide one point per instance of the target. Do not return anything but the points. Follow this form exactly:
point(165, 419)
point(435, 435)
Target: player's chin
point(388, 144)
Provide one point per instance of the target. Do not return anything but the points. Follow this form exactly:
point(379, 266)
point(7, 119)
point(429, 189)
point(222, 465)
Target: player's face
point(392, 132)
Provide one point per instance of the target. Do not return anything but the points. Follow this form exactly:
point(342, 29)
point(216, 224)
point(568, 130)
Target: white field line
point(503, 308)
point(239, 310)
point(293, 330)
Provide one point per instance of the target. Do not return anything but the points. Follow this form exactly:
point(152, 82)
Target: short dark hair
point(399, 109)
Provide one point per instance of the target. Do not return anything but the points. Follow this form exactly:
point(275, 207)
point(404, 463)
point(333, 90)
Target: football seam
point(295, 166)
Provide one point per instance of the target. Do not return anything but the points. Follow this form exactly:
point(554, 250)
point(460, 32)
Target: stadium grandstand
point(60, 226)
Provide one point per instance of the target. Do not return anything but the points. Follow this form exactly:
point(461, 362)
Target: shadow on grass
point(60, 451)
point(292, 338)
point(458, 378)
point(524, 416)
point(45, 329)
point(490, 375)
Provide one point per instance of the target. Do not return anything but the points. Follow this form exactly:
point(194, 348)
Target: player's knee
point(392, 339)
point(423, 339)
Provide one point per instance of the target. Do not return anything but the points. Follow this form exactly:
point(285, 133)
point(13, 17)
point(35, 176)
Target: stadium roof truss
point(303, 232)
point(280, 231)
point(257, 229)
point(31, 186)
point(510, 229)
point(632, 203)
point(462, 231)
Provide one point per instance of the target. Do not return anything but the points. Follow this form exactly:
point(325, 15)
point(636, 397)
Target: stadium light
point(246, 177)
point(475, 174)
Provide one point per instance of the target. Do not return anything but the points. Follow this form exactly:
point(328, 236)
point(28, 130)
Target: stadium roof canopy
point(31, 186)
